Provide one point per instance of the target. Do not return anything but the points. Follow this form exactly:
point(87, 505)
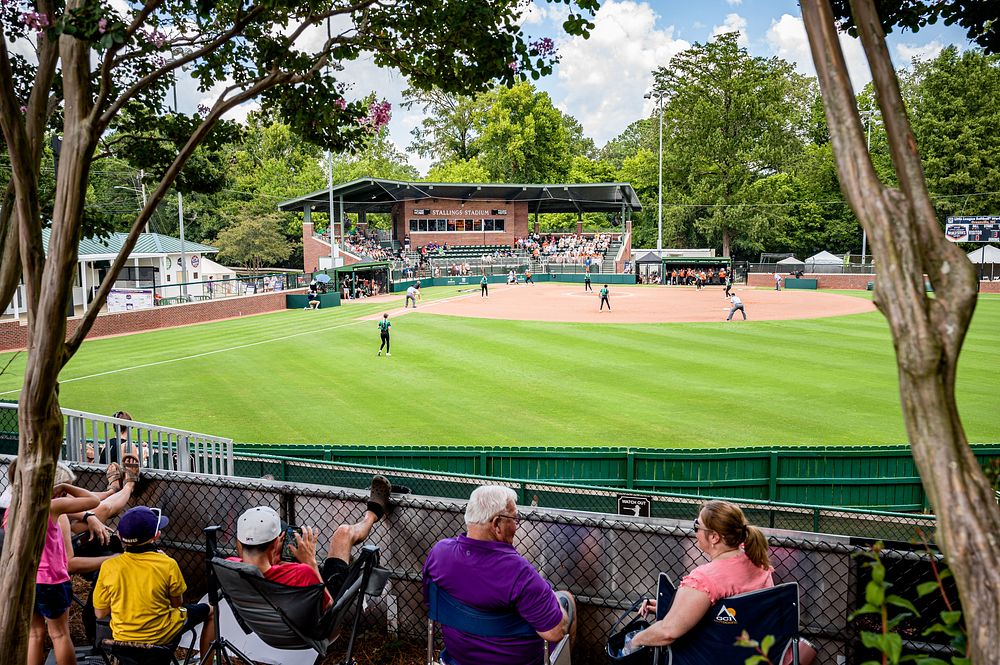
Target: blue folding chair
point(448, 611)
point(773, 611)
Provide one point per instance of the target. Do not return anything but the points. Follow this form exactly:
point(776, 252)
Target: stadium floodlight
point(658, 95)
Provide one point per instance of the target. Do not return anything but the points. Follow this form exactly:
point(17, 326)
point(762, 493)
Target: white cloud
point(787, 39)
point(906, 53)
point(534, 14)
point(734, 3)
point(601, 80)
point(733, 23)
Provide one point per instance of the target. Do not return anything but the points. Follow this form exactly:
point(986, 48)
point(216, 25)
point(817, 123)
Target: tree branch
point(143, 83)
point(221, 107)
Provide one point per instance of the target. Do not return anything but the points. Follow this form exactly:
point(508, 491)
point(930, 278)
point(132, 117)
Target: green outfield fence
point(864, 524)
point(876, 477)
point(501, 278)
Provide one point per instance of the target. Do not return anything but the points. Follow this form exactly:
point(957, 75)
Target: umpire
point(383, 331)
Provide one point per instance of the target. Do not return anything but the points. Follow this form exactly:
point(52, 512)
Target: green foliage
point(762, 648)
point(885, 606)
point(467, 170)
point(955, 118)
point(729, 120)
point(252, 241)
point(522, 137)
point(447, 131)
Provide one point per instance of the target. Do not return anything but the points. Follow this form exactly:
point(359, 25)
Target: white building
point(154, 266)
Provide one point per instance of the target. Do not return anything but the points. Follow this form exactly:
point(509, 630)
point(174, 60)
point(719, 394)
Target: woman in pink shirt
point(53, 589)
point(739, 563)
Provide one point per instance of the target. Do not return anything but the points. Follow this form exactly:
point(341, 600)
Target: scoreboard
point(972, 229)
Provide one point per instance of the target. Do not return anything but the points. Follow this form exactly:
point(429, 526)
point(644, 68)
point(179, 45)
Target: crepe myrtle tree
point(908, 242)
point(89, 72)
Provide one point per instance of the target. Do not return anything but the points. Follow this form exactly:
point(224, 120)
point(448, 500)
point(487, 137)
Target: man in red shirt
point(261, 535)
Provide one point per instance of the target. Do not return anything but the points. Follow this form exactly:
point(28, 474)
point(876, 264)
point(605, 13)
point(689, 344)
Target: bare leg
point(348, 535)
point(36, 640)
point(62, 643)
point(207, 635)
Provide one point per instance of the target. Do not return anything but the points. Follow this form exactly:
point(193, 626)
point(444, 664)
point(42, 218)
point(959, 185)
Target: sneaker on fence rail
point(400, 489)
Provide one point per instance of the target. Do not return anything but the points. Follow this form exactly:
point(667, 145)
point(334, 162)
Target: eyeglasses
point(516, 518)
point(698, 527)
point(159, 516)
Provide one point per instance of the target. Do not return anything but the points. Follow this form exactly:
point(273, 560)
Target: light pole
point(868, 115)
point(658, 94)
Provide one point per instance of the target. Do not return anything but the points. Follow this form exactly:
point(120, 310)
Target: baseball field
point(532, 366)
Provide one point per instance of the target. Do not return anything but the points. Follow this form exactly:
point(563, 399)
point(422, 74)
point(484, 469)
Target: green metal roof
point(148, 244)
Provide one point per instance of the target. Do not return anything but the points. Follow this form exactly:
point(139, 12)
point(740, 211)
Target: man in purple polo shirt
point(482, 569)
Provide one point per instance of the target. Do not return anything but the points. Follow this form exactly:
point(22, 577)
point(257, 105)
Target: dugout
point(369, 279)
point(710, 264)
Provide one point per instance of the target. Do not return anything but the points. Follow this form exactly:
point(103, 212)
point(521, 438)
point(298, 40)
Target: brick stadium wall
point(858, 282)
point(515, 225)
point(312, 249)
point(14, 335)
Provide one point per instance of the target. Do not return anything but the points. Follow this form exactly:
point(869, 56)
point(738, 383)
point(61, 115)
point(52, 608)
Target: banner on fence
point(126, 300)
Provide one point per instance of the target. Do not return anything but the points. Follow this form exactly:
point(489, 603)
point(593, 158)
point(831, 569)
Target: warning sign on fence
point(633, 506)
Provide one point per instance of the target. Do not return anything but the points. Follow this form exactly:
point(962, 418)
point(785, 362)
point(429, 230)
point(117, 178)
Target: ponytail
point(755, 547)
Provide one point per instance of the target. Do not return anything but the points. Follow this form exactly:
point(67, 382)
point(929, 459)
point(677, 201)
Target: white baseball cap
point(258, 526)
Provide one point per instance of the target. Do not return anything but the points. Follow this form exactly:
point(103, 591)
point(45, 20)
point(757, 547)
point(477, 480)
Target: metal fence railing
point(815, 268)
point(605, 561)
point(105, 438)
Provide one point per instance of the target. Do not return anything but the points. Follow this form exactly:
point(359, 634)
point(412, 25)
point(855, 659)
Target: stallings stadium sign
point(457, 211)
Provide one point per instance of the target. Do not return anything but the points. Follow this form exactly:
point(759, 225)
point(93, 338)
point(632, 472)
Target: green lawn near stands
point(313, 377)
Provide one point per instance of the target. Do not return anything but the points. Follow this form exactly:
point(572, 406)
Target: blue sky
point(601, 80)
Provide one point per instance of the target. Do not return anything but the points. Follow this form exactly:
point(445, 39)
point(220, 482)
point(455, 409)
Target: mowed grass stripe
point(464, 381)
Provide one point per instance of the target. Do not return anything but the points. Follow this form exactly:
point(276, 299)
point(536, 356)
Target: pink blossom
point(340, 103)
point(203, 110)
point(545, 46)
point(379, 114)
point(102, 26)
point(35, 20)
point(24, 109)
point(514, 65)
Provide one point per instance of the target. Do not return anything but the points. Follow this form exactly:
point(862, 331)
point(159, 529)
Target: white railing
point(107, 439)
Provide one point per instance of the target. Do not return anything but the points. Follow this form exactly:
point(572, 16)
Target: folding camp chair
point(773, 611)
point(287, 617)
point(116, 652)
point(447, 611)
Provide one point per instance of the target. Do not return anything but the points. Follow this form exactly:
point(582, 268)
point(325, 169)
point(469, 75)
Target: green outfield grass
point(313, 377)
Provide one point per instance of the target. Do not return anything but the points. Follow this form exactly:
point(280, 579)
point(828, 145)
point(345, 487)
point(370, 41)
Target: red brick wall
point(14, 336)
point(312, 249)
point(515, 226)
point(857, 282)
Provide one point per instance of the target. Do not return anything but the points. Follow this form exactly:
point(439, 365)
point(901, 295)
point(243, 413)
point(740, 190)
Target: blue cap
point(140, 524)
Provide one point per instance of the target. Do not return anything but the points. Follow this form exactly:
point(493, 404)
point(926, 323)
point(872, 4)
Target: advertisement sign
point(127, 300)
point(985, 228)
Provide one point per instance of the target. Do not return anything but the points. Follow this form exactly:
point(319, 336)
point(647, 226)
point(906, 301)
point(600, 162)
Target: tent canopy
point(825, 259)
point(791, 261)
point(649, 257)
point(985, 254)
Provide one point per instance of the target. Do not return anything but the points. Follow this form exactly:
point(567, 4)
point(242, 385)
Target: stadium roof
point(378, 195)
point(148, 245)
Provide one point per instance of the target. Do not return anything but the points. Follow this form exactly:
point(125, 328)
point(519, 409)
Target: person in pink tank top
point(739, 563)
point(53, 589)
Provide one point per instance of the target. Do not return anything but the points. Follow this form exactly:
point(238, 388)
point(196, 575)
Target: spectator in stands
point(260, 539)
point(481, 569)
point(53, 589)
point(739, 563)
point(143, 590)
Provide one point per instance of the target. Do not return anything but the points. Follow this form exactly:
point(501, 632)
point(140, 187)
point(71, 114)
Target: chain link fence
point(868, 526)
point(606, 561)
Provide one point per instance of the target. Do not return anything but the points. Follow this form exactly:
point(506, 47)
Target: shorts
point(52, 600)
point(197, 613)
point(334, 574)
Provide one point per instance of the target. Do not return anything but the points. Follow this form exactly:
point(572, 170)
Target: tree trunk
point(908, 242)
point(10, 260)
point(29, 510)
point(726, 241)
